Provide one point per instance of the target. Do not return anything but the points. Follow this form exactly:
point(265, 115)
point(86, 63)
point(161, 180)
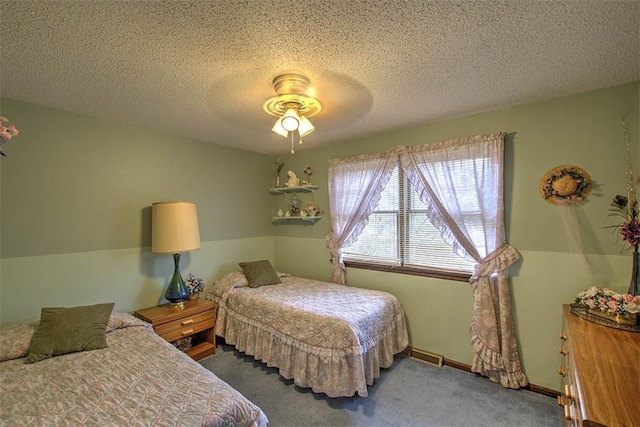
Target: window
point(461, 183)
point(400, 237)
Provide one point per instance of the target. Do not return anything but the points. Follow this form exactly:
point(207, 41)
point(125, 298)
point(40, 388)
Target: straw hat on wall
point(565, 185)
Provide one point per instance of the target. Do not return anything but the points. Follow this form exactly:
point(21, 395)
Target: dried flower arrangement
point(279, 166)
point(627, 208)
point(308, 171)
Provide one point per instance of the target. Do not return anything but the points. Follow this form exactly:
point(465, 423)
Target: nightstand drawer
point(171, 334)
point(195, 321)
point(184, 323)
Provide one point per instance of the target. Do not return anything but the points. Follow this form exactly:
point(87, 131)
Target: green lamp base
point(177, 292)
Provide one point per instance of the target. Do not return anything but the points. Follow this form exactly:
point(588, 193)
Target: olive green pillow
point(259, 273)
point(69, 329)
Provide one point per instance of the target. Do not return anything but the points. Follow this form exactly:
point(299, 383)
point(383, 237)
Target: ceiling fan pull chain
point(292, 152)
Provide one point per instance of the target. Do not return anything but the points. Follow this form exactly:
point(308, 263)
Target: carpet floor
point(409, 393)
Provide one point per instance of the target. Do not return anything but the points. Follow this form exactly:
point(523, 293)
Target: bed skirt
point(336, 372)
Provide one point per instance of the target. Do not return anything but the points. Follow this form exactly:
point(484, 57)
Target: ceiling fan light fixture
point(277, 128)
point(290, 120)
point(292, 105)
point(305, 127)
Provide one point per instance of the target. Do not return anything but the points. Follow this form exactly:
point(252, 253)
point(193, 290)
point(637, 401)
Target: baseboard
point(430, 357)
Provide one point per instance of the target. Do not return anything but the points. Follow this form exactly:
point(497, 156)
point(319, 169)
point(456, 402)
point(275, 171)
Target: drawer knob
point(562, 370)
point(563, 337)
point(567, 412)
point(186, 322)
point(567, 391)
point(563, 350)
point(187, 332)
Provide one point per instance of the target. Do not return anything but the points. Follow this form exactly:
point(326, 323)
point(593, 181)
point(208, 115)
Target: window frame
point(402, 219)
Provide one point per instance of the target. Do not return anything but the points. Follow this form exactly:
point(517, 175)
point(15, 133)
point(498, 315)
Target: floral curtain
point(355, 185)
point(466, 175)
point(451, 178)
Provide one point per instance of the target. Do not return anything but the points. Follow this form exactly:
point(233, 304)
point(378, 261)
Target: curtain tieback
point(496, 261)
point(331, 245)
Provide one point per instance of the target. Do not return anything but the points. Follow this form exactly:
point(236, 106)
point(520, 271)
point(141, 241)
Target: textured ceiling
point(202, 69)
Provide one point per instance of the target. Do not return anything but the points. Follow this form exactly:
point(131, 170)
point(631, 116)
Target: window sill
point(438, 274)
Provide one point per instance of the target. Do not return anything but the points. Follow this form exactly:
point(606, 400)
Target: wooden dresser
point(196, 321)
point(601, 370)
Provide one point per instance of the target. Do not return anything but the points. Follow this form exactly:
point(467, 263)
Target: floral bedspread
point(331, 338)
point(138, 380)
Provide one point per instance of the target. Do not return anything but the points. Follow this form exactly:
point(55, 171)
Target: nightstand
point(196, 320)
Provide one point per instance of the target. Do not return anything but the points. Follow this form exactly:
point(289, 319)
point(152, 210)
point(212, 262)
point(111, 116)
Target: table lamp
point(174, 230)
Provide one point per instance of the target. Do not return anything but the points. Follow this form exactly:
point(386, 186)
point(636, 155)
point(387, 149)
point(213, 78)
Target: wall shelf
point(296, 219)
point(293, 200)
point(290, 190)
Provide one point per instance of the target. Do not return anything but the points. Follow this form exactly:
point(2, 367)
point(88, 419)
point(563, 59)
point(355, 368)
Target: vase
point(634, 286)
point(177, 292)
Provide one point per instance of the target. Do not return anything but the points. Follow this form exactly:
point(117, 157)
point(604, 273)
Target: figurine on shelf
point(293, 181)
point(294, 205)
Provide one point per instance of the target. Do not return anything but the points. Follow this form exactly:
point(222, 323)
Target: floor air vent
point(425, 356)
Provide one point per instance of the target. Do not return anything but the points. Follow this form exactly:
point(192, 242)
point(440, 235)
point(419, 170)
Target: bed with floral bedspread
point(137, 380)
point(331, 338)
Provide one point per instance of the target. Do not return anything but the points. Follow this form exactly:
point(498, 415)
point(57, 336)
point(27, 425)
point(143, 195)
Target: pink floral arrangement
point(312, 209)
point(6, 133)
point(606, 300)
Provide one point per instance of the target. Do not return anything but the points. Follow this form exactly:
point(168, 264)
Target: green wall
point(583, 130)
point(75, 193)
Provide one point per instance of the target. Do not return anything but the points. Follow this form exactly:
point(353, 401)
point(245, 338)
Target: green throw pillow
point(259, 273)
point(67, 330)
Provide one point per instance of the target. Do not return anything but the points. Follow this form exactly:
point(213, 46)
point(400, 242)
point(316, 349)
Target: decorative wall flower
point(6, 133)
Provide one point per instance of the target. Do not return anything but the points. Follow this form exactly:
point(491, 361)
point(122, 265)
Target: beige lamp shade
point(174, 227)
